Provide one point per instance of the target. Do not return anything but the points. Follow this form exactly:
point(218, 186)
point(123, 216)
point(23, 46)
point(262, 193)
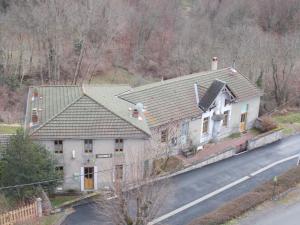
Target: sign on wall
point(103, 156)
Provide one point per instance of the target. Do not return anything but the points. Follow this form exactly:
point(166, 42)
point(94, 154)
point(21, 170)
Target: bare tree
point(139, 197)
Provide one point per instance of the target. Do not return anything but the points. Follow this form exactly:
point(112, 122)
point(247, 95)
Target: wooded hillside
point(75, 41)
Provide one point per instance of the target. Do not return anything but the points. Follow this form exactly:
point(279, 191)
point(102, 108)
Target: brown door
point(88, 178)
point(243, 122)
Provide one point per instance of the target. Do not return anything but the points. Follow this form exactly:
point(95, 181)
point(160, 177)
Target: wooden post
point(39, 207)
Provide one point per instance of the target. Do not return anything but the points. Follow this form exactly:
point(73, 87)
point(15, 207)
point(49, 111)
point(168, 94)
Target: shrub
point(266, 123)
point(250, 200)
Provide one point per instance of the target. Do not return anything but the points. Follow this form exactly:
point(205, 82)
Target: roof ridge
point(175, 79)
point(56, 115)
point(247, 78)
point(121, 117)
point(54, 85)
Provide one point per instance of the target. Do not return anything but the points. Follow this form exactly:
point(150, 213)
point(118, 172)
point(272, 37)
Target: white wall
point(133, 151)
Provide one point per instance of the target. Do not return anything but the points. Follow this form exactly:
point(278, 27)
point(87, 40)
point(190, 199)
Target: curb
point(63, 218)
point(75, 202)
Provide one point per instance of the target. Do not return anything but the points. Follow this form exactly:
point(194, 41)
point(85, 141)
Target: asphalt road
point(192, 185)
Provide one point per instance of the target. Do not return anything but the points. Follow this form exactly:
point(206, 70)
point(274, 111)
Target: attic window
point(34, 116)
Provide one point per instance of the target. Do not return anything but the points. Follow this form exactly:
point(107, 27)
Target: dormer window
point(227, 102)
point(34, 116)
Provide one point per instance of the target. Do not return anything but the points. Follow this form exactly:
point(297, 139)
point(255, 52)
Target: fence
point(22, 214)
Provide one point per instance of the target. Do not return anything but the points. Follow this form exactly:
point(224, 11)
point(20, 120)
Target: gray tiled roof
point(210, 95)
point(87, 112)
point(175, 99)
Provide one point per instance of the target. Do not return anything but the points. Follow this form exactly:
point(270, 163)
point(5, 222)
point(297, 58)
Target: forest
point(140, 41)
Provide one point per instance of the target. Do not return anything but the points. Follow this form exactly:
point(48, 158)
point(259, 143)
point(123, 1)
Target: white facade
point(103, 160)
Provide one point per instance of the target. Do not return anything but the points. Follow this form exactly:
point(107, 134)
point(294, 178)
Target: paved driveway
point(194, 184)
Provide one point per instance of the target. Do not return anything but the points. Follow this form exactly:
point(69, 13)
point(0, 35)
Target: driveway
point(190, 186)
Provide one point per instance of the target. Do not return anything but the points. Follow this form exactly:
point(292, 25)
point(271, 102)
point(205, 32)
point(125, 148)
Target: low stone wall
point(224, 155)
point(264, 139)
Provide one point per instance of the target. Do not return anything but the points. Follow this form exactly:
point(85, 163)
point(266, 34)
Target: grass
point(289, 122)
point(293, 117)
point(255, 131)
point(235, 135)
point(227, 213)
point(120, 76)
point(9, 128)
point(51, 219)
point(59, 200)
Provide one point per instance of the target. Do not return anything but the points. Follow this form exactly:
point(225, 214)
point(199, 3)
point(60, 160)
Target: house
point(100, 134)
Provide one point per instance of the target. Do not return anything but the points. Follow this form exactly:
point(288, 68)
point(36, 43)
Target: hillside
point(74, 41)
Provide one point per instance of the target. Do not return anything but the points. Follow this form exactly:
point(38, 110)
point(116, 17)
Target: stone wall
point(264, 139)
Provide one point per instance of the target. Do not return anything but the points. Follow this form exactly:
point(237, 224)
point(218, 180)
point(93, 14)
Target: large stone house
point(102, 134)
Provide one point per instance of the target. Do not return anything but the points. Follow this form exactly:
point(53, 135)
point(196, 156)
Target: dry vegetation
point(250, 200)
point(74, 41)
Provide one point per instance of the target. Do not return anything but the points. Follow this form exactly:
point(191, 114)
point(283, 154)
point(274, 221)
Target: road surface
point(191, 186)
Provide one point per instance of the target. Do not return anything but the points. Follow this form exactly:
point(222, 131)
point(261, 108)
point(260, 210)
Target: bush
point(250, 200)
point(266, 123)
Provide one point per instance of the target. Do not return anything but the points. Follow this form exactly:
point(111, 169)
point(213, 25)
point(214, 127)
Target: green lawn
point(51, 219)
point(293, 117)
point(290, 122)
point(58, 200)
point(9, 128)
point(234, 135)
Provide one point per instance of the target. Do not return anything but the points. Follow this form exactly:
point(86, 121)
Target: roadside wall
point(264, 139)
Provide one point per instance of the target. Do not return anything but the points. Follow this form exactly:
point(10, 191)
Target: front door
point(88, 178)
point(243, 122)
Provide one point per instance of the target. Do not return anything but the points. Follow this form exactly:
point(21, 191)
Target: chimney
point(196, 92)
point(135, 113)
point(34, 116)
point(214, 63)
point(35, 93)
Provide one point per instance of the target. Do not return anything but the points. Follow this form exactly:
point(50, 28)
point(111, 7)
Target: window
point(226, 117)
point(227, 102)
point(205, 125)
point(88, 146)
point(59, 170)
point(119, 145)
point(119, 172)
point(185, 128)
point(58, 146)
point(164, 136)
point(174, 141)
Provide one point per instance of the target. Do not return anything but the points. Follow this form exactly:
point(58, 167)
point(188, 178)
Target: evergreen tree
point(27, 162)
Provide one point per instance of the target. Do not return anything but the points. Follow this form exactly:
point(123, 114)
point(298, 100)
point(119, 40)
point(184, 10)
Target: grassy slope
point(290, 122)
point(120, 76)
point(9, 128)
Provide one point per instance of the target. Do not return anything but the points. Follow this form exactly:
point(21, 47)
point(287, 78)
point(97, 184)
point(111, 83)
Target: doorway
point(88, 178)
point(243, 122)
